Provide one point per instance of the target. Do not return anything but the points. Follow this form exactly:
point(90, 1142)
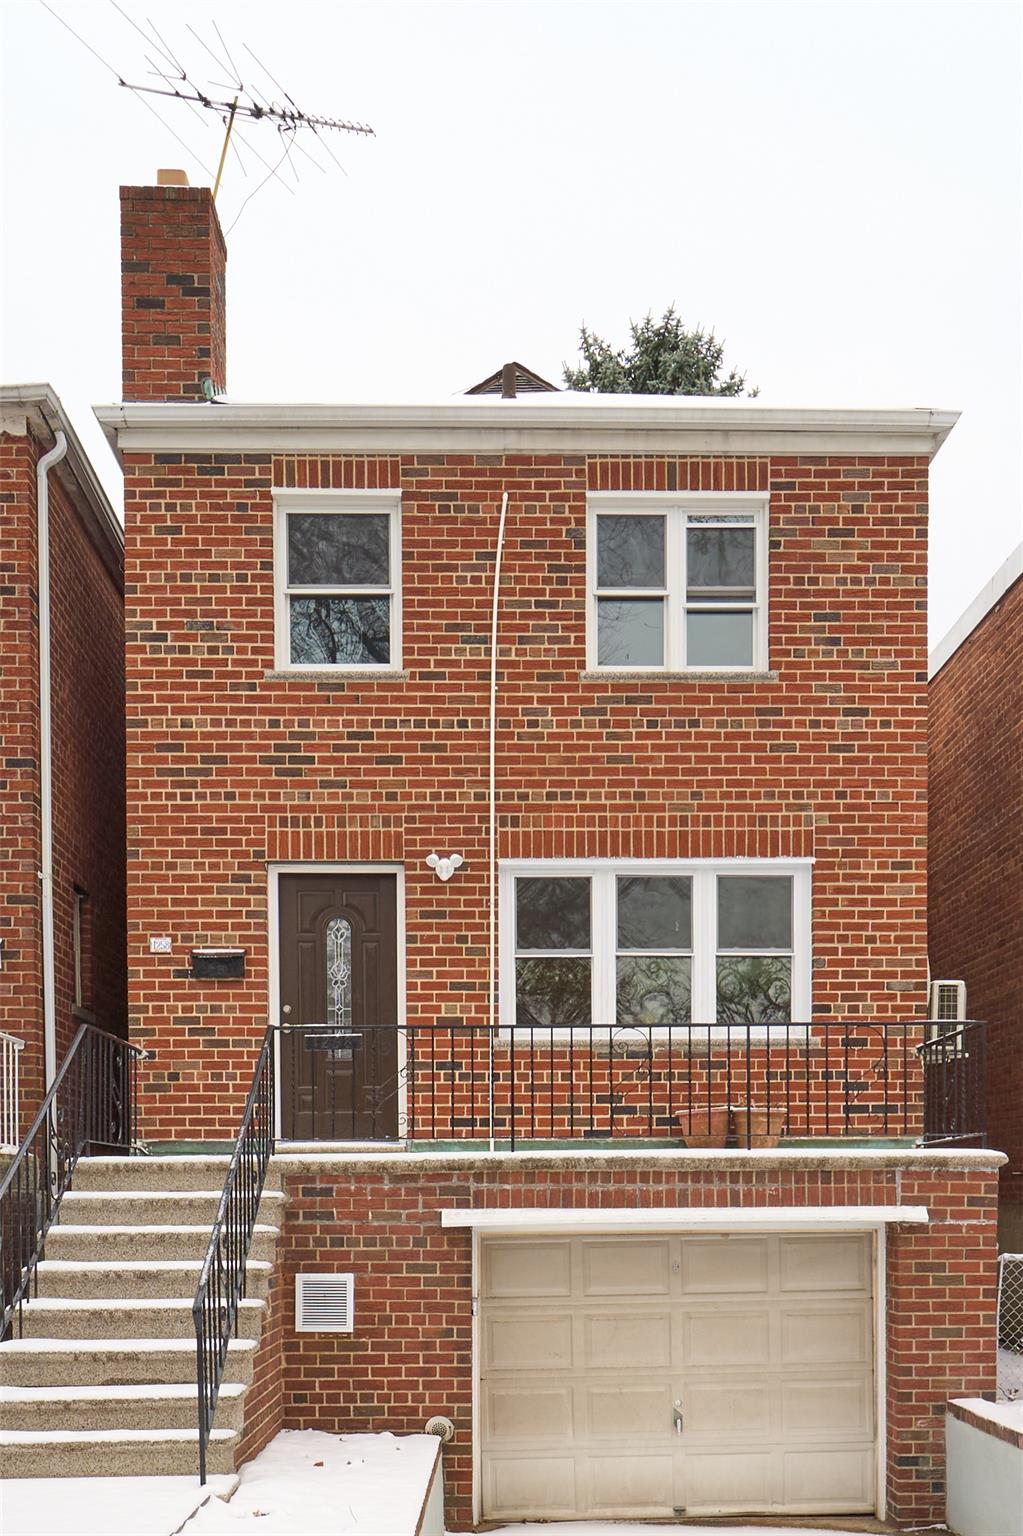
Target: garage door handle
point(676, 1418)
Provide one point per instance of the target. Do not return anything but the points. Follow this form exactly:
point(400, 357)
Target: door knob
point(286, 1008)
point(676, 1417)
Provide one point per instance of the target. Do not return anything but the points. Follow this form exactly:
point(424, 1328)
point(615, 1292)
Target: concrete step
point(158, 1207)
point(158, 1173)
point(148, 1317)
point(113, 1452)
point(112, 1278)
point(116, 1362)
point(146, 1406)
point(146, 1242)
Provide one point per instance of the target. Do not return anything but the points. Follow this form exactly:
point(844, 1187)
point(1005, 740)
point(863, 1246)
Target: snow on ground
point(613, 1528)
point(308, 1483)
point(1010, 1373)
point(102, 1506)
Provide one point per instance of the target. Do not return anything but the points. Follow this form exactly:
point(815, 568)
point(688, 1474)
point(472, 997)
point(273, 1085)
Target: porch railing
point(747, 1085)
point(90, 1107)
point(10, 1096)
point(223, 1274)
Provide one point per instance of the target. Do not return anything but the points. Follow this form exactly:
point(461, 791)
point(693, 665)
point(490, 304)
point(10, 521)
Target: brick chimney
point(173, 285)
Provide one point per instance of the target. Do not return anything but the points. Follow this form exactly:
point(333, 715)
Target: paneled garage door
point(645, 1376)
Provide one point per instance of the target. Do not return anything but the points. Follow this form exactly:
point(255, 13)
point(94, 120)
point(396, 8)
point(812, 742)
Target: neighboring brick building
point(976, 848)
point(87, 691)
point(666, 863)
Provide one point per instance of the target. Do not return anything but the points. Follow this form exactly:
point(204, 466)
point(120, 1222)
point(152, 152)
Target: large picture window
point(677, 583)
point(652, 944)
point(338, 579)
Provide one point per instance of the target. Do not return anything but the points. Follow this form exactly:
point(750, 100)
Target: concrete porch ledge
point(967, 1160)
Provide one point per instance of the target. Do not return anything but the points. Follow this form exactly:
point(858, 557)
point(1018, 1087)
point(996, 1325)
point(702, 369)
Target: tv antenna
point(232, 98)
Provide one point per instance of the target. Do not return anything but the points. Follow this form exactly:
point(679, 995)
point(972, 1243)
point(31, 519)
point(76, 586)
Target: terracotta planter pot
point(703, 1130)
point(762, 1133)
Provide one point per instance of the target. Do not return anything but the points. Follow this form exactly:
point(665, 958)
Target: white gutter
point(492, 790)
point(43, 468)
point(561, 422)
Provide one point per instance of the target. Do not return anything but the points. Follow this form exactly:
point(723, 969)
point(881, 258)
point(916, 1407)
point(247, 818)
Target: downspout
point(492, 787)
point(45, 464)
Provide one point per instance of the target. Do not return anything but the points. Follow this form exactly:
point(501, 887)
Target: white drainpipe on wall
point(493, 812)
point(45, 464)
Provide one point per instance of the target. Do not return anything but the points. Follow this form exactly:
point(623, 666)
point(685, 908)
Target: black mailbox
point(218, 964)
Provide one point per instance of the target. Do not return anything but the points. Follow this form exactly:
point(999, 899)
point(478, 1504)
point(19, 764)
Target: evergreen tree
point(665, 359)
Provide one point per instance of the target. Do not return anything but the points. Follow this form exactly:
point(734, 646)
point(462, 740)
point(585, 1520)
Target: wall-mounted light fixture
point(445, 868)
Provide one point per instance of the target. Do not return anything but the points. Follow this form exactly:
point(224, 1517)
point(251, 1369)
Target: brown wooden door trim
point(372, 1108)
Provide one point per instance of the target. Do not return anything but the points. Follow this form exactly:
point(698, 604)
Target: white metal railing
point(10, 1095)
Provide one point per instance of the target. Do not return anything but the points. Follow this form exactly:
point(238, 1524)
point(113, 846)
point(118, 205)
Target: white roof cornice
point(563, 422)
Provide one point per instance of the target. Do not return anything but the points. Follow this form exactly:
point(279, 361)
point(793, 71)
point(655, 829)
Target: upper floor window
point(338, 573)
point(677, 583)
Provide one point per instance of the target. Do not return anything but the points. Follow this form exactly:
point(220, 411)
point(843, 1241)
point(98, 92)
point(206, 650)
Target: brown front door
point(339, 978)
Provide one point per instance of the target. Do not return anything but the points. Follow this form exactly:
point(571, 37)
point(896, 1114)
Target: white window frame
point(675, 508)
point(603, 936)
point(372, 502)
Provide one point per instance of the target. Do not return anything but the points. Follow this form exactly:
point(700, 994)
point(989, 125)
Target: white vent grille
point(324, 1303)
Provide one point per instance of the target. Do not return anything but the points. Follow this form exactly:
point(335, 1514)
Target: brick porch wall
point(231, 766)
point(411, 1353)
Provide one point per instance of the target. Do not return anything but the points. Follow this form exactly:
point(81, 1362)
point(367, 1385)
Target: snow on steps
point(108, 1344)
point(112, 1452)
point(150, 1406)
point(96, 1279)
point(155, 1173)
point(112, 1362)
point(109, 1207)
point(147, 1242)
point(127, 1317)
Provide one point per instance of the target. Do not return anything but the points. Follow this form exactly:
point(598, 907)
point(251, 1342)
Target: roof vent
point(324, 1303)
point(512, 380)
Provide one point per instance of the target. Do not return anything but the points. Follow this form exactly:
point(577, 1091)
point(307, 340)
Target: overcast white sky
point(834, 187)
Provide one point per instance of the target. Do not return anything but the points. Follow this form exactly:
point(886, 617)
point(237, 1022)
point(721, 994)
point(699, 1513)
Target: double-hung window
point(677, 583)
point(338, 565)
point(656, 943)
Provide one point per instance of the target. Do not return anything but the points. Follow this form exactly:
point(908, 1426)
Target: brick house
point(583, 974)
point(975, 901)
point(62, 782)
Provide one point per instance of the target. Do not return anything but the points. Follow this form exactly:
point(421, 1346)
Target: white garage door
point(646, 1376)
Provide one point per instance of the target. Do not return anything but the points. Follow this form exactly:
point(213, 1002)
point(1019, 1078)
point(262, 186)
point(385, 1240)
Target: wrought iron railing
point(91, 1107)
point(954, 1059)
point(10, 1091)
point(746, 1085)
point(223, 1275)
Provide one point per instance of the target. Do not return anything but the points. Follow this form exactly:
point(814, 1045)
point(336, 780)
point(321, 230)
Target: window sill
point(695, 675)
point(334, 674)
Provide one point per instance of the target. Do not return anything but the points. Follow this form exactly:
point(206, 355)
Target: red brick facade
point(976, 859)
point(411, 1352)
point(232, 765)
point(87, 664)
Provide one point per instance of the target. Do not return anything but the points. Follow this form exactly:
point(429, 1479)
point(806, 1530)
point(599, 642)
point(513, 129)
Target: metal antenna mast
point(231, 99)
